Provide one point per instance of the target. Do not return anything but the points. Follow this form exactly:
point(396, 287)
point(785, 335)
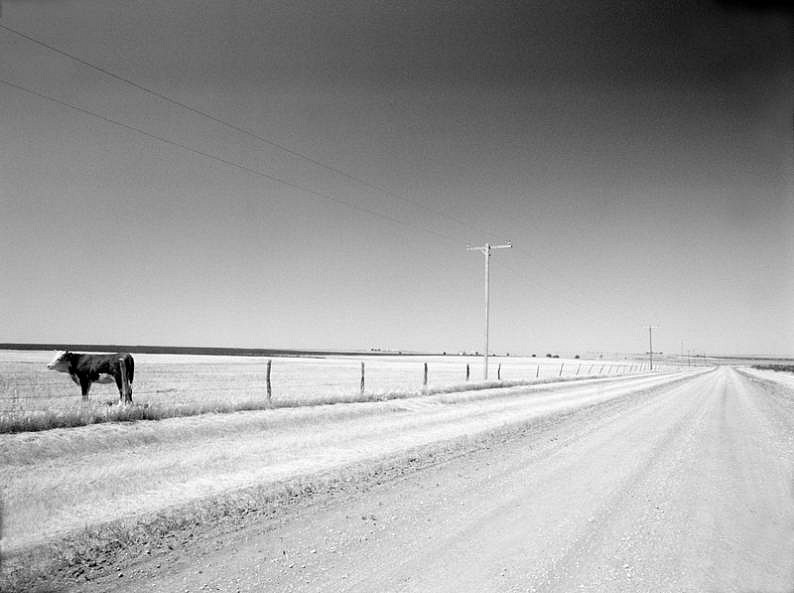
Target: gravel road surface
point(687, 488)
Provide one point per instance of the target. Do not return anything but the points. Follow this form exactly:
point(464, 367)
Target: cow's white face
point(60, 362)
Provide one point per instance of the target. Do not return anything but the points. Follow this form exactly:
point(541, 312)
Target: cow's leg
point(117, 377)
point(123, 382)
point(130, 374)
point(85, 385)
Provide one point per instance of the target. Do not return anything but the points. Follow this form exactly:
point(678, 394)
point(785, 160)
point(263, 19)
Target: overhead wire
point(518, 275)
point(294, 153)
point(232, 126)
point(224, 161)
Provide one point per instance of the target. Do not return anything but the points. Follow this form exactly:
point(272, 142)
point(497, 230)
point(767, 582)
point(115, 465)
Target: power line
point(235, 165)
point(290, 151)
point(519, 275)
point(232, 126)
point(225, 161)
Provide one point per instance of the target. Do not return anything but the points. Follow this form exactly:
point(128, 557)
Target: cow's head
point(61, 362)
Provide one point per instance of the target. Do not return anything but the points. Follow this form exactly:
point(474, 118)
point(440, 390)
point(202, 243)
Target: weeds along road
point(685, 488)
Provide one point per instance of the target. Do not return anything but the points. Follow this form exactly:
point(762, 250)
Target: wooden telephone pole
point(650, 343)
point(486, 251)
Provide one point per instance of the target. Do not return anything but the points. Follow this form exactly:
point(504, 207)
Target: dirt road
point(687, 489)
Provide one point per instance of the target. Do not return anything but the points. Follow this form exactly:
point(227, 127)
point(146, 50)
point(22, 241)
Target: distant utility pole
point(650, 343)
point(486, 251)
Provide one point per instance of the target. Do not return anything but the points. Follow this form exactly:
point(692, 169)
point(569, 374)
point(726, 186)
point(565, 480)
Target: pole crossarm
point(486, 251)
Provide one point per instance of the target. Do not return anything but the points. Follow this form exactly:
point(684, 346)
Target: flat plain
point(624, 481)
point(32, 397)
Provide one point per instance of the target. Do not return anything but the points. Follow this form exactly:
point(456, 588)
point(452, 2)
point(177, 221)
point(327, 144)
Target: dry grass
point(92, 412)
point(33, 398)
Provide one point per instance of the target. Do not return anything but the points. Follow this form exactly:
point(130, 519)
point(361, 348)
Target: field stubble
point(34, 398)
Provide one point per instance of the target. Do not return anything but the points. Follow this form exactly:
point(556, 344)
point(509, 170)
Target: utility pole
point(650, 343)
point(486, 251)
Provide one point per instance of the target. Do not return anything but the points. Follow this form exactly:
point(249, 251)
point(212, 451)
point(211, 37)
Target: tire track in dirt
point(713, 514)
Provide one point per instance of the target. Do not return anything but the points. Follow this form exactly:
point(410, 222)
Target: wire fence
point(26, 383)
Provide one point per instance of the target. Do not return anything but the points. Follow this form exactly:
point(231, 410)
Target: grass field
point(34, 398)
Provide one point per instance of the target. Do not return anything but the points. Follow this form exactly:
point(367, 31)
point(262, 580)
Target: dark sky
point(638, 154)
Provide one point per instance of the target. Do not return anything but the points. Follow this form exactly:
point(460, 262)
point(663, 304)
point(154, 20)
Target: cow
point(86, 369)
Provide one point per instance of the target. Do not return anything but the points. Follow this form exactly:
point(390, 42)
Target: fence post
point(424, 380)
point(269, 390)
point(126, 393)
point(561, 367)
point(499, 372)
point(537, 373)
point(467, 372)
point(590, 370)
point(579, 368)
point(362, 377)
point(601, 370)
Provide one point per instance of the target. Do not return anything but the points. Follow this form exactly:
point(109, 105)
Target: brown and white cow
point(86, 369)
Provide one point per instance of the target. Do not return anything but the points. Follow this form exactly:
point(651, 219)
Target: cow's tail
point(130, 362)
